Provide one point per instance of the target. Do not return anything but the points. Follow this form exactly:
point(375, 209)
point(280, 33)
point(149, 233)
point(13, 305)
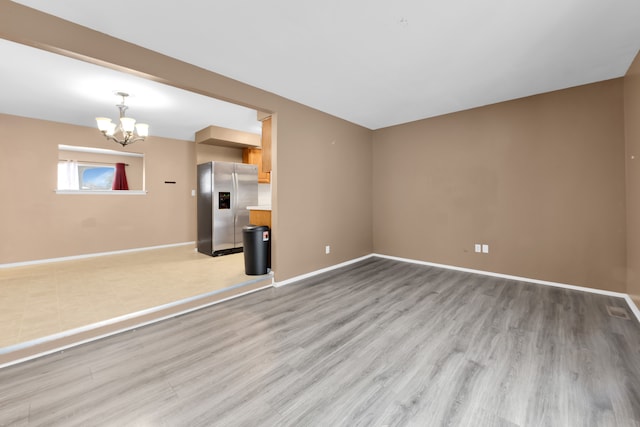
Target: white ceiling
point(39, 84)
point(381, 62)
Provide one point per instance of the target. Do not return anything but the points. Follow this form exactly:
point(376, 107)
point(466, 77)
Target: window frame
point(73, 148)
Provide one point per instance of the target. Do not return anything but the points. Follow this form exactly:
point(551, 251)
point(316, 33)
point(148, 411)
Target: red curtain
point(120, 180)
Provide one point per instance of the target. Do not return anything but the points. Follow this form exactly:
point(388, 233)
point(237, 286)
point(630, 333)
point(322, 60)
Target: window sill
point(105, 192)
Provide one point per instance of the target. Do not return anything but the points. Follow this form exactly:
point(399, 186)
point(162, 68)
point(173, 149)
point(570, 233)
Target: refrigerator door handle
point(234, 198)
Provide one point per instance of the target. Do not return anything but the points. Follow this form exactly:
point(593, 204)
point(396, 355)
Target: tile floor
point(40, 300)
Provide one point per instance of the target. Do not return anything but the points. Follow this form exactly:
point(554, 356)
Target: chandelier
point(126, 131)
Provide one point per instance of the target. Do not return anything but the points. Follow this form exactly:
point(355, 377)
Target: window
point(96, 177)
point(78, 176)
point(91, 170)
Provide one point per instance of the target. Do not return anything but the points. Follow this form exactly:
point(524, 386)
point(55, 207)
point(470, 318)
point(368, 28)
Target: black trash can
point(256, 240)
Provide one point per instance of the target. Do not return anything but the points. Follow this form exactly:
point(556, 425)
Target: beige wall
point(540, 179)
point(632, 134)
point(209, 153)
point(39, 224)
point(322, 191)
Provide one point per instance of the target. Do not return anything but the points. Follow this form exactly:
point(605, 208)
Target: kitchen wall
point(209, 153)
point(264, 194)
point(540, 180)
point(632, 134)
point(321, 185)
point(39, 224)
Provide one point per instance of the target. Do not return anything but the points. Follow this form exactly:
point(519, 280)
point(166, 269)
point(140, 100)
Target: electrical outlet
point(478, 247)
point(485, 249)
point(193, 193)
point(327, 249)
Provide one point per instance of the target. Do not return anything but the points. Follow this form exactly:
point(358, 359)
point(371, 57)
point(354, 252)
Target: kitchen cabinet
point(254, 157)
point(259, 215)
point(266, 144)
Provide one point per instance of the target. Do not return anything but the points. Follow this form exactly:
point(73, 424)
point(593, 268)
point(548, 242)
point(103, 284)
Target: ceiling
point(379, 63)
point(47, 86)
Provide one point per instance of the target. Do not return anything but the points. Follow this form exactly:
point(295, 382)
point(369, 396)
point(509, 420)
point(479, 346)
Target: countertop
point(259, 208)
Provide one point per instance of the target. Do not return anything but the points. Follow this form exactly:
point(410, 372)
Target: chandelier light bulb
point(128, 124)
point(111, 128)
point(103, 123)
point(142, 129)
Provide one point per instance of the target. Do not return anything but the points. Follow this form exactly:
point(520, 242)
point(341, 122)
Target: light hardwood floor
point(376, 343)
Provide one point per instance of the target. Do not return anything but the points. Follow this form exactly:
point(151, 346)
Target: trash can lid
point(252, 227)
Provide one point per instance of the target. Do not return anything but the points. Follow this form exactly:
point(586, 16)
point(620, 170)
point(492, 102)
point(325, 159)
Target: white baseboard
point(93, 255)
point(633, 306)
point(626, 297)
point(323, 270)
point(508, 276)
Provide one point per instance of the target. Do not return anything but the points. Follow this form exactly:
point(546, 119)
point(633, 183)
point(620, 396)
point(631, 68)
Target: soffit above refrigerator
point(215, 135)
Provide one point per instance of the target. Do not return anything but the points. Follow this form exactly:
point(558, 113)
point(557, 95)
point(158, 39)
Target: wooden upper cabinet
point(266, 144)
point(254, 157)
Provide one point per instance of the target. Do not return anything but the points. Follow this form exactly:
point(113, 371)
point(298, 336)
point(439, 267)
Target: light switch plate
point(478, 247)
point(485, 249)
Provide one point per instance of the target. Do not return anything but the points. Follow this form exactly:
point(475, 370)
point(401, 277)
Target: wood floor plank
point(377, 343)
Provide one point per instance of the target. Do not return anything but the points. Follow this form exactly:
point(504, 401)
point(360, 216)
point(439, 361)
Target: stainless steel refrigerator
point(224, 192)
